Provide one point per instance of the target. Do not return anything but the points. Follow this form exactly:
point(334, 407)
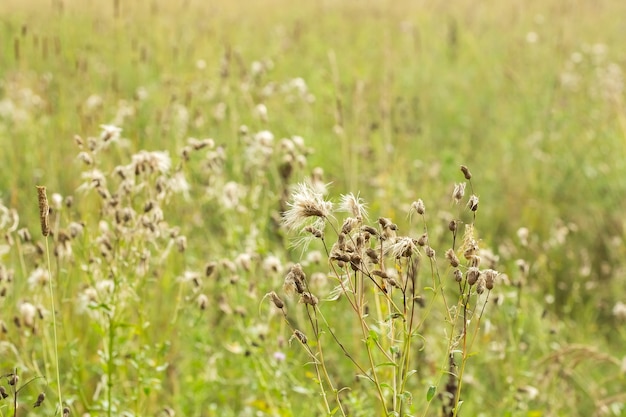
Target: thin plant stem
point(54, 325)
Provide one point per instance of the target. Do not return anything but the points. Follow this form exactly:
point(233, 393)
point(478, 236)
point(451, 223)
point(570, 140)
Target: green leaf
point(431, 392)
point(380, 365)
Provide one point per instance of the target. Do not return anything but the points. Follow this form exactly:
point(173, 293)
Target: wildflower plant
point(395, 287)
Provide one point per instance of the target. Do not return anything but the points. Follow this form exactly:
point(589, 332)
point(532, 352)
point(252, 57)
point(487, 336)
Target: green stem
point(54, 327)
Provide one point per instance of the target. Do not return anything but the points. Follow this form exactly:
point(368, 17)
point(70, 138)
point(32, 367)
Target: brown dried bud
point(308, 298)
point(380, 273)
point(472, 275)
point(13, 379)
point(423, 239)
point(44, 210)
point(466, 172)
point(419, 207)
point(458, 275)
point(452, 225)
point(209, 269)
point(430, 252)
point(373, 255)
point(40, 399)
point(370, 230)
point(3, 392)
point(490, 277)
point(472, 204)
point(66, 412)
point(480, 285)
point(276, 300)
point(203, 301)
point(300, 336)
point(452, 258)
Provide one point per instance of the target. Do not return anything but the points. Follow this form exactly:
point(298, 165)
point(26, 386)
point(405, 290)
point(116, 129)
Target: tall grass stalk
point(44, 213)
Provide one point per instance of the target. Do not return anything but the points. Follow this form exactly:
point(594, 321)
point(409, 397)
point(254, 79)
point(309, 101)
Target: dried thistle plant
point(376, 266)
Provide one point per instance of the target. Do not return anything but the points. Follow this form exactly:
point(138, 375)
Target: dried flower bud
point(44, 210)
point(458, 275)
point(423, 239)
point(472, 204)
point(373, 255)
point(276, 300)
point(209, 269)
point(419, 207)
point(472, 275)
point(379, 273)
point(203, 301)
point(452, 258)
point(466, 172)
point(490, 277)
point(480, 285)
point(452, 225)
point(430, 252)
point(308, 298)
point(370, 230)
point(13, 379)
point(40, 399)
point(459, 192)
point(66, 412)
point(300, 336)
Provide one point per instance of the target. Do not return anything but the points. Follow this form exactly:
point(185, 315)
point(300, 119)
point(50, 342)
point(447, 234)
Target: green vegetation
point(186, 147)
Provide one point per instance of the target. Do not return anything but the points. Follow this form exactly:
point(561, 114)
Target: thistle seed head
point(459, 192)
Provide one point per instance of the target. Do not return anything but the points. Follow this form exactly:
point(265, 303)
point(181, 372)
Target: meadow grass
point(172, 138)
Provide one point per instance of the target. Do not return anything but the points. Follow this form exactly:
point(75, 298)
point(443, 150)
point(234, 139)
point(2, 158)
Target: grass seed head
point(44, 210)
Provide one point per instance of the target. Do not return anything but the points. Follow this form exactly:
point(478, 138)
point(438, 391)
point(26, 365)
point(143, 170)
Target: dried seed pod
point(203, 301)
point(3, 392)
point(452, 258)
point(480, 285)
point(458, 275)
point(423, 239)
point(40, 399)
point(308, 298)
point(419, 207)
point(459, 192)
point(490, 277)
point(373, 255)
point(300, 336)
point(472, 204)
point(380, 273)
point(466, 172)
point(472, 275)
point(44, 210)
point(452, 225)
point(430, 252)
point(66, 412)
point(370, 230)
point(13, 379)
point(276, 300)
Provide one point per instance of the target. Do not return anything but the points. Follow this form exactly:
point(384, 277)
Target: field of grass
point(255, 208)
